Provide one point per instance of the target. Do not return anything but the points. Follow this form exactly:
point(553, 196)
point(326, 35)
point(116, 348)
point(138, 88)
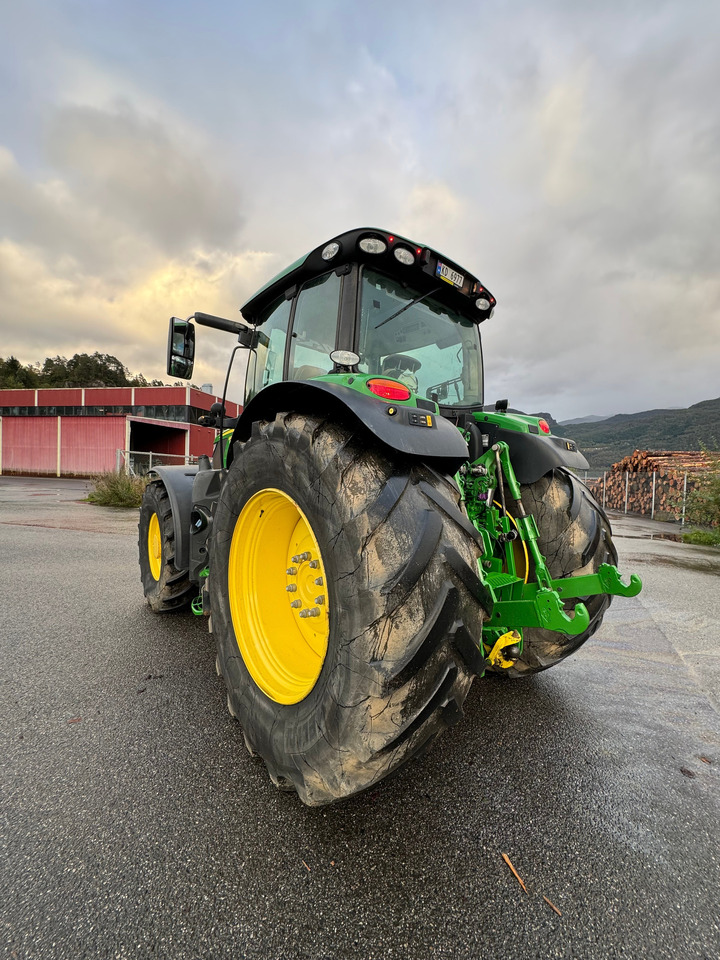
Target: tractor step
point(499, 580)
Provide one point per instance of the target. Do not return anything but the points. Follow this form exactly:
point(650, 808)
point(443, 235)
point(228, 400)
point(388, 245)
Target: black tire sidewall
point(173, 590)
point(152, 504)
point(300, 726)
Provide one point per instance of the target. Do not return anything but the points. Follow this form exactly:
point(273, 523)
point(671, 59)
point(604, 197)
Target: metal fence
point(140, 462)
point(659, 496)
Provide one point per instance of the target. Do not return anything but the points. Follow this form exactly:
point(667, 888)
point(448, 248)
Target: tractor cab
point(373, 303)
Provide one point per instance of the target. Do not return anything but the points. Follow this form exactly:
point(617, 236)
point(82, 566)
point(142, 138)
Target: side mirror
point(181, 348)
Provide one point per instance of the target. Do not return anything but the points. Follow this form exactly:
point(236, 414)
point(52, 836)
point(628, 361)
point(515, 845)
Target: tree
point(15, 376)
point(703, 504)
point(81, 370)
point(85, 370)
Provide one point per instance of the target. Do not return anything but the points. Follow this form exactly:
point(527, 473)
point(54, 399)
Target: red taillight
point(544, 426)
point(388, 389)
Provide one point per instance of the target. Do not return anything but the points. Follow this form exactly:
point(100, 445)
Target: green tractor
point(369, 537)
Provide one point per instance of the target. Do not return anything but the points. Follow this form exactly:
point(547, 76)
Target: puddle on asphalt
point(698, 565)
point(675, 537)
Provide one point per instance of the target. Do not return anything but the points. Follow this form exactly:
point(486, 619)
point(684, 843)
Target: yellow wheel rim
point(155, 546)
point(278, 596)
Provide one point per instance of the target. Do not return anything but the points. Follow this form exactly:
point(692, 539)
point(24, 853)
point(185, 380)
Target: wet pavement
point(134, 824)
point(658, 541)
point(58, 503)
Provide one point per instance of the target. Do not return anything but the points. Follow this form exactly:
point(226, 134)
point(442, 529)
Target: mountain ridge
point(589, 418)
point(606, 441)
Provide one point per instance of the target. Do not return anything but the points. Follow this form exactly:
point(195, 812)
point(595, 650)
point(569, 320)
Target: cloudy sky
point(160, 158)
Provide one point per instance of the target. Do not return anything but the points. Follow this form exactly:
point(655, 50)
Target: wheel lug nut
point(296, 604)
point(320, 599)
point(314, 612)
point(291, 571)
point(314, 564)
point(319, 582)
point(291, 588)
point(304, 614)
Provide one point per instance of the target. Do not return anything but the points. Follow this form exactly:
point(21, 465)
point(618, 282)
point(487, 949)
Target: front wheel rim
point(154, 547)
point(278, 595)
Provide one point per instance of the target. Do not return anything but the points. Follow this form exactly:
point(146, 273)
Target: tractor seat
point(307, 372)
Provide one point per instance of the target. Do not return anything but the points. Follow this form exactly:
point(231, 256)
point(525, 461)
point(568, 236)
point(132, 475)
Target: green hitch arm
point(540, 607)
point(606, 580)
point(539, 603)
point(526, 524)
point(544, 610)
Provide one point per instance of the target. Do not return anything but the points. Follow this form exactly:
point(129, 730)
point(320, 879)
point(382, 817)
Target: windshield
point(428, 346)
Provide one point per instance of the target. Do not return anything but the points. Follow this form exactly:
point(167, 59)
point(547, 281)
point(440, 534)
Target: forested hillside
point(81, 370)
point(610, 440)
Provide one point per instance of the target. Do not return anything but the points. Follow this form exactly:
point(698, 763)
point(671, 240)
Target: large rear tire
point(336, 701)
point(575, 538)
point(166, 588)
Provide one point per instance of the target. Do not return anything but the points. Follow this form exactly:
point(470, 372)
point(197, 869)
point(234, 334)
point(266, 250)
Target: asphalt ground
point(133, 823)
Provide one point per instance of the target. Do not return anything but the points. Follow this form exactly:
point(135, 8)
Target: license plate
point(449, 275)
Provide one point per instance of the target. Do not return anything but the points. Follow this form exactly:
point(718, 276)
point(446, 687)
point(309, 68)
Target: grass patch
point(117, 490)
point(703, 538)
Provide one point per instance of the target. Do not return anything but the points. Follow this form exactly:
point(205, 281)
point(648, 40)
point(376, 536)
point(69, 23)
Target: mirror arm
point(219, 323)
point(246, 335)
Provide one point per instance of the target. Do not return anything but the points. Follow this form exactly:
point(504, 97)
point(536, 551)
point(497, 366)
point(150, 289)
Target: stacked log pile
point(670, 468)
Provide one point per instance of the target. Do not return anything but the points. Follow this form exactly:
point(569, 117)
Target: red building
point(82, 431)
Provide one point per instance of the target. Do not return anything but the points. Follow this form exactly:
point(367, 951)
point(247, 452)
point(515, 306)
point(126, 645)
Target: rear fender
point(179, 485)
point(532, 456)
point(405, 430)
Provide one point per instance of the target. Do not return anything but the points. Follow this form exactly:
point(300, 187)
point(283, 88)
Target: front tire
point(166, 588)
point(575, 538)
point(397, 637)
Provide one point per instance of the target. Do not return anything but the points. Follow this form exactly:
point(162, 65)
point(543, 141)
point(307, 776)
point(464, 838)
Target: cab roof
point(420, 266)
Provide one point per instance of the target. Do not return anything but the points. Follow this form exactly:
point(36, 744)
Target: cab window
point(424, 344)
point(315, 328)
point(266, 363)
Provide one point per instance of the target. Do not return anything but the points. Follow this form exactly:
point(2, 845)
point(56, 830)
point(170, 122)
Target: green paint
point(226, 438)
point(509, 421)
point(358, 382)
point(515, 604)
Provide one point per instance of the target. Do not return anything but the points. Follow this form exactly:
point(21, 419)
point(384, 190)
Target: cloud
point(565, 153)
point(132, 169)
point(123, 189)
point(562, 121)
point(129, 226)
point(434, 210)
point(46, 311)
point(48, 216)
